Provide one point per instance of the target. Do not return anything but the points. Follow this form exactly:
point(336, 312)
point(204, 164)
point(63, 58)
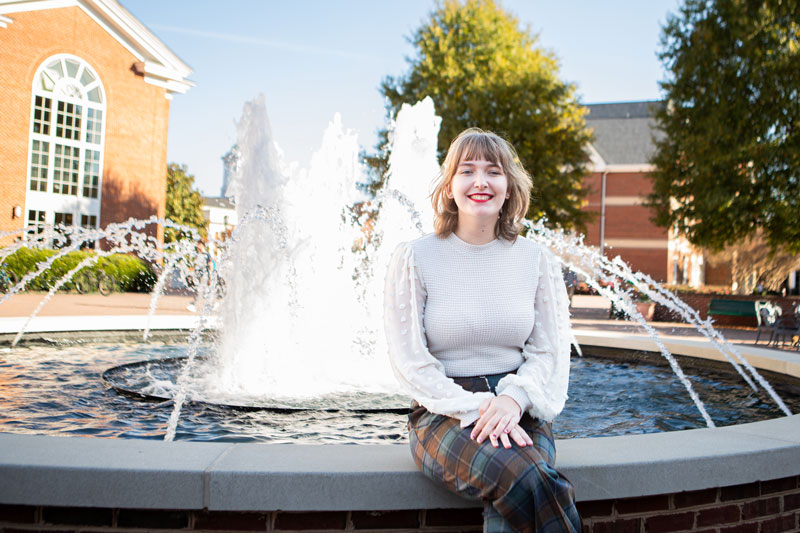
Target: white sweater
point(454, 309)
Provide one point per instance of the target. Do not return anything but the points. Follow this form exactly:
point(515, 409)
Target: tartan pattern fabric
point(521, 489)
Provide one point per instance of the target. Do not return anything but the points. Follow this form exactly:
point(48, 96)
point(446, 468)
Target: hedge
point(130, 273)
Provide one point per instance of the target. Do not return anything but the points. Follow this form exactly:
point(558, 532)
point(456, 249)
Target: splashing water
point(303, 270)
point(596, 267)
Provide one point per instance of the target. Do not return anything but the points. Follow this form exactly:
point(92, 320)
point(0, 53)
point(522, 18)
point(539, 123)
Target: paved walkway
point(589, 313)
point(94, 312)
point(22, 305)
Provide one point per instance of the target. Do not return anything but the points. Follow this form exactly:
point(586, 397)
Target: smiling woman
point(479, 189)
point(481, 163)
point(477, 327)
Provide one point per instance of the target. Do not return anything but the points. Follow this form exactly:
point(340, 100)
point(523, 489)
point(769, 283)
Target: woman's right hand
point(499, 421)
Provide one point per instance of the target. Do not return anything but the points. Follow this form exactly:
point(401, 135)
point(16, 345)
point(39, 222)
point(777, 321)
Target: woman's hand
point(499, 420)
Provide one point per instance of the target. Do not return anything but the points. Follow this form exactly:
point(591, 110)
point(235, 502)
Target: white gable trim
point(18, 6)
point(162, 66)
point(598, 164)
point(596, 161)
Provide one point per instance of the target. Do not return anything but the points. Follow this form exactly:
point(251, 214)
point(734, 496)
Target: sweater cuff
point(519, 395)
point(468, 418)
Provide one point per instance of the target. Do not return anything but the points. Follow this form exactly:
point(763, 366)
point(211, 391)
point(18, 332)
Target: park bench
point(719, 306)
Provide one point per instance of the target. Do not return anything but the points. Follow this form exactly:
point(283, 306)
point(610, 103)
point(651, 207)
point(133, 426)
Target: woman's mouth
point(480, 198)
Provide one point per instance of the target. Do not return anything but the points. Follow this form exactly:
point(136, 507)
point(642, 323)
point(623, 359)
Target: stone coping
point(87, 472)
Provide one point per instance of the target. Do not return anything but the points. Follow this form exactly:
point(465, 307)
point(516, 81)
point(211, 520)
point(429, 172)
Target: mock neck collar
point(460, 244)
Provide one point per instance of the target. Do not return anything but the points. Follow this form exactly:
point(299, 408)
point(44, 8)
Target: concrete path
point(22, 305)
point(94, 312)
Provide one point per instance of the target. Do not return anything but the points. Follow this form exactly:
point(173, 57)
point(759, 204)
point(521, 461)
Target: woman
point(477, 324)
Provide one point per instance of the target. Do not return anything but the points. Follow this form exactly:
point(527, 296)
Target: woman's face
point(479, 188)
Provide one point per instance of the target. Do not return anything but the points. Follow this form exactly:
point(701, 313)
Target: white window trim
point(48, 201)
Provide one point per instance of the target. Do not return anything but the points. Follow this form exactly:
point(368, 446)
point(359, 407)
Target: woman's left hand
point(499, 417)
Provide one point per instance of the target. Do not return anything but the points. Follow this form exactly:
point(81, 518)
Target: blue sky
point(311, 59)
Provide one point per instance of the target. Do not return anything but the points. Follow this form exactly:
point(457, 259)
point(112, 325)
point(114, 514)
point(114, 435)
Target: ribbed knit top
point(453, 309)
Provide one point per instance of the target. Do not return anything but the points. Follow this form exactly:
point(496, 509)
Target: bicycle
point(8, 278)
point(89, 281)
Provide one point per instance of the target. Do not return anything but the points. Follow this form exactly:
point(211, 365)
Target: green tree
point(184, 203)
point(481, 69)
point(728, 166)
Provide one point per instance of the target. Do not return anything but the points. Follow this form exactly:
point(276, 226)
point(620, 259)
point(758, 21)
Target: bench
point(718, 306)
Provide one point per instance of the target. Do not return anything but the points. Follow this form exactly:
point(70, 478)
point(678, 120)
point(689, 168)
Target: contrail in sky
point(280, 45)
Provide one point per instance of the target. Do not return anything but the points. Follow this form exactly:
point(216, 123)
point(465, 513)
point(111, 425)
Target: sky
point(313, 58)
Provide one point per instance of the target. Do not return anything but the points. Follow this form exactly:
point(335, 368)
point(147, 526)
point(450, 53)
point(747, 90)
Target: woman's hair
point(475, 144)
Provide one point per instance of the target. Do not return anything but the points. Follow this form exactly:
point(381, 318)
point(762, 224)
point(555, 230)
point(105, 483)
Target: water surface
point(58, 391)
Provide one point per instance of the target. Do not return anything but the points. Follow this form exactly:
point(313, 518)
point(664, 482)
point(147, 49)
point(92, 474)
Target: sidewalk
point(22, 305)
point(591, 313)
point(82, 312)
point(119, 312)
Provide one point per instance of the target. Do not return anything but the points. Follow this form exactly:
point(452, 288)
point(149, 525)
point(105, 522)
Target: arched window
point(68, 112)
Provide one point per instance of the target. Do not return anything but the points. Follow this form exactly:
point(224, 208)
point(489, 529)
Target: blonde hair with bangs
point(475, 144)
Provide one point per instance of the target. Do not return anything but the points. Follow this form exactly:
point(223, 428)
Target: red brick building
point(618, 184)
point(86, 90)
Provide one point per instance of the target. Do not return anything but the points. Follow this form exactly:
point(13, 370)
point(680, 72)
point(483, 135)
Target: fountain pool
point(744, 475)
point(57, 390)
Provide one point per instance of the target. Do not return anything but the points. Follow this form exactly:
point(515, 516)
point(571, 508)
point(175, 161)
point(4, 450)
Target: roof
point(157, 63)
point(218, 201)
point(623, 132)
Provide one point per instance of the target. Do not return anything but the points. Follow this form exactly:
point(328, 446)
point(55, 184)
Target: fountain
point(276, 271)
point(290, 269)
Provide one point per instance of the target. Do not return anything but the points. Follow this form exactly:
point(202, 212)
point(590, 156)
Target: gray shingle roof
point(215, 201)
point(624, 131)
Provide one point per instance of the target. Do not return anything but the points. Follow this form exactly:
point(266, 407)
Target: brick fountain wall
point(761, 507)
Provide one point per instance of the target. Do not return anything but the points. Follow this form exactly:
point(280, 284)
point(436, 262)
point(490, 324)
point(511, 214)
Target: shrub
point(130, 273)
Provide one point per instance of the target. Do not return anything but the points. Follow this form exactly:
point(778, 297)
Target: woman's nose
point(480, 180)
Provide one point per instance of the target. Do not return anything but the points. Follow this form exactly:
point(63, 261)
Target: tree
point(482, 70)
point(753, 261)
point(184, 203)
point(728, 165)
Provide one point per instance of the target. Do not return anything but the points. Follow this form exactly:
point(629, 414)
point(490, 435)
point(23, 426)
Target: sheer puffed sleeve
point(419, 372)
point(544, 374)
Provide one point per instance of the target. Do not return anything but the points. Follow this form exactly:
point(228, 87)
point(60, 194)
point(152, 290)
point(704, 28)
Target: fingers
point(484, 406)
point(512, 433)
point(519, 436)
point(515, 434)
point(498, 426)
point(489, 430)
point(505, 423)
point(495, 428)
point(499, 423)
point(479, 425)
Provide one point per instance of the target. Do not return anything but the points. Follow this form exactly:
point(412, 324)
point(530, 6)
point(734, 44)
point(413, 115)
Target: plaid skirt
point(520, 487)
